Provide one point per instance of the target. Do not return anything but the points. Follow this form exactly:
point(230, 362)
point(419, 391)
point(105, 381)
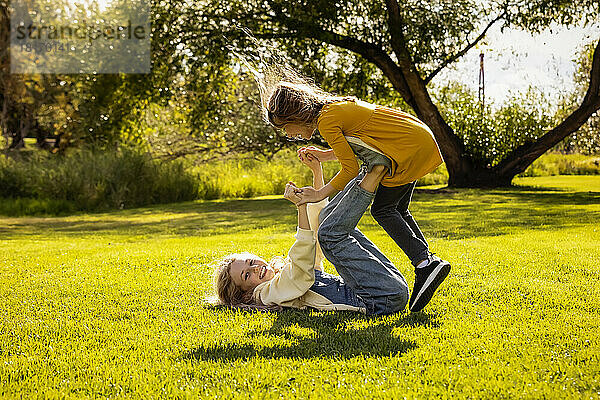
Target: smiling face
point(249, 271)
point(295, 130)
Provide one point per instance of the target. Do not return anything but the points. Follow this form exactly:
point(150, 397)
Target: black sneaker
point(427, 280)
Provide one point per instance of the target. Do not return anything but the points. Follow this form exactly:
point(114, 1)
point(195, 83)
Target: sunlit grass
point(564, 182)
point(111, 304)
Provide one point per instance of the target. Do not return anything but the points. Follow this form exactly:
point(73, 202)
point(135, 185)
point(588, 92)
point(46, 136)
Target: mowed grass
point(112, 304)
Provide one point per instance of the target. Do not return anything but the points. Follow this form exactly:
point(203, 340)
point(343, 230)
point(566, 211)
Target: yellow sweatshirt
point(291, 285)
point(403, 138)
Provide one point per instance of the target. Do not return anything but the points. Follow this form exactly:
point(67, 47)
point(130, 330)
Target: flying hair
point(286, 96)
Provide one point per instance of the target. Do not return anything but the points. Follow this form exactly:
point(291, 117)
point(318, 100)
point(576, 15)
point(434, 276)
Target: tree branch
point(594, 88)
point(369, 51)
point(409, 70)
point(395, 25)
point(464, 51)
point(521, 157)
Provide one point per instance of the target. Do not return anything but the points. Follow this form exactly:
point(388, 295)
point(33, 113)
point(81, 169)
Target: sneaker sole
point(431, 284)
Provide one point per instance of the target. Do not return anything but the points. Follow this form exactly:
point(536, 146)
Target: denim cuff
point(363, 192)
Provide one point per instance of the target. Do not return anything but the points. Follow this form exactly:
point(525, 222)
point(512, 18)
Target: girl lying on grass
point(369, 282)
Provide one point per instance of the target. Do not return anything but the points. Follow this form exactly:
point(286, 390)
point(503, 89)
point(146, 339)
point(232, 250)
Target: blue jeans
point(359, 262)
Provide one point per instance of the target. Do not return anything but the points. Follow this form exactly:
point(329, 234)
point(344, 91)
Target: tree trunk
point(461, 170)
point(18, 135)
point(17, 141)
point(3, 122)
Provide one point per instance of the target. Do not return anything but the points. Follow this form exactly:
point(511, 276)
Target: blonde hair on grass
point(228, 293)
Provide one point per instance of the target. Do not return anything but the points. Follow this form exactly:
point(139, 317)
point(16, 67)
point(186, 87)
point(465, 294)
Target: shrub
point(563, 164)
point(93, 180)
point(248, 177)
point(42, 183)
point(18, 207)
point(12, 179)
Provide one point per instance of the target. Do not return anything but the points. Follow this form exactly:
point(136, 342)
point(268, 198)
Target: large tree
point(97, 109)
point(409, 44)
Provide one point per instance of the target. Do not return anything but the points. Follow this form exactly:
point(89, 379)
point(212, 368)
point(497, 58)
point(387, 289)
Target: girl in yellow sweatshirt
point(376, 135)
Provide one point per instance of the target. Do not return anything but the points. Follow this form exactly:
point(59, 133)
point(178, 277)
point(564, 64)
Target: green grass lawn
point(111, 304)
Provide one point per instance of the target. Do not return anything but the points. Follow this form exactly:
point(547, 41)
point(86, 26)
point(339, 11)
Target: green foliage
point(12, 179)
point(75, 109)
point(563, 164)
point(490, 134)
point(250, 177)
point(198, 82)
point(408, 43)
point(220, 97)
point(587, 139)
point(437, 177)
point(111, 305)
point(22, 206)
point(246, 176)
point(235, 124)
point(94, 180)
point(39, 183)
point(535, 15)
point(433, 32)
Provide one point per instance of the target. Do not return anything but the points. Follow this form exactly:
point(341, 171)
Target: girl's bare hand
point(309, 194)
point(309, 160)
point(291, 193)
point(319, 154)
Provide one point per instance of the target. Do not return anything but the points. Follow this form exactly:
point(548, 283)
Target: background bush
point(40, 183)
point(564, 164)
point(259, 176)
point(94, 180)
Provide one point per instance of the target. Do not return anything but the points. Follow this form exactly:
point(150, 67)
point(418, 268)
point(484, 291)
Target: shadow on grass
point(336, 335)
point(184, 219)
point(453, 214)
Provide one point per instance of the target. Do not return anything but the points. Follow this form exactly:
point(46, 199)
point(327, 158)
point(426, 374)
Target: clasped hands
point(300, 196)
point(310, 156)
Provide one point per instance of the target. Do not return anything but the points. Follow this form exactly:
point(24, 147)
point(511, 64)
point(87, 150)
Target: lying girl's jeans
point(359, 262)
point(390, 208)
point(336, 290)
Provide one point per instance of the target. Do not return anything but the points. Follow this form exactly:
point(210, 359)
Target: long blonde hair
point(227, 291)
